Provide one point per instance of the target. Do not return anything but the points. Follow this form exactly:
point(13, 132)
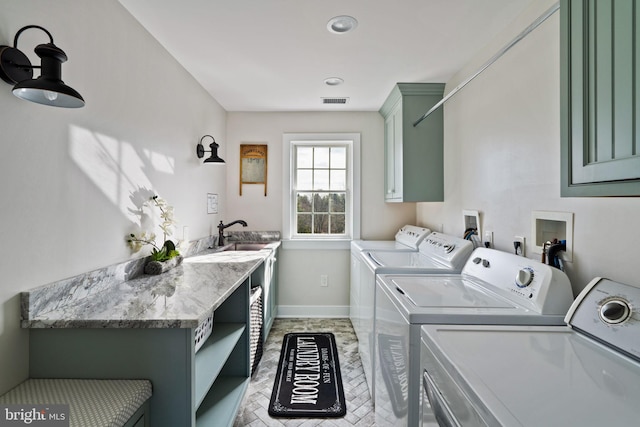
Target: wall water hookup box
point(472, 220)
point(547, 226)
point(521, 250)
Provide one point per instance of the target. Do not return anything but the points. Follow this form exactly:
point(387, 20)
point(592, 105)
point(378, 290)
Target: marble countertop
point(180, 298)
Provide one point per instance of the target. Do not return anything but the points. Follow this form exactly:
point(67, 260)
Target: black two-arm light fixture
point(48, 88)
point(214, 158)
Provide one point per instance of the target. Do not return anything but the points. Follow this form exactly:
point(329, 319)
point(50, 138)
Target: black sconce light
point(214, 151)
point(48, 89)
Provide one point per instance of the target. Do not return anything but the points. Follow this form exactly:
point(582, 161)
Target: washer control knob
point(485, 263)
point(615, 311)
point(524, 277)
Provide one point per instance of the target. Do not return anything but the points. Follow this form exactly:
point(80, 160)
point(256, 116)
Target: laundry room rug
point(308, 382)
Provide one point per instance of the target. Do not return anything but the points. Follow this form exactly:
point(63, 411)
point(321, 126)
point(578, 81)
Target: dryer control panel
point(450, 250)
point(529, 283)
point(412, 235)
point(609, 312)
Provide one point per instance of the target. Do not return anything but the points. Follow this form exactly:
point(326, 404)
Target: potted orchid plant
point(164, 257)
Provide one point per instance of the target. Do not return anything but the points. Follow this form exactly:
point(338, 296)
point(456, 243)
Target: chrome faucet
point(222, 226)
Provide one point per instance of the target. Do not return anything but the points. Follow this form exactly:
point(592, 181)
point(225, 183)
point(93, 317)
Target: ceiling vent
point(335, 100)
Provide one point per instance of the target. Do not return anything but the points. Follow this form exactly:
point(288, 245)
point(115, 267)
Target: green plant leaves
point(165, 253)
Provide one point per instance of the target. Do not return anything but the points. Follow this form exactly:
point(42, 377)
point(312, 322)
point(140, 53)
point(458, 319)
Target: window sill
point(329, 244)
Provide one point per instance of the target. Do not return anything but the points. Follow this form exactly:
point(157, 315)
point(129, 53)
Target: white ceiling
point(273, 55)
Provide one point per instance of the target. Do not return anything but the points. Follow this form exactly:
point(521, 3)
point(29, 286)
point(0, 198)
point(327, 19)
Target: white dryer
point(494, 288)
point(585, 374)
point(438, 253)
point(406, 239)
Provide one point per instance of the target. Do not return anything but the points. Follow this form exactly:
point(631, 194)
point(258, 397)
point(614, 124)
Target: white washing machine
point(494, 288)
point(586, 373)
point(406, 239)
point(437, 254)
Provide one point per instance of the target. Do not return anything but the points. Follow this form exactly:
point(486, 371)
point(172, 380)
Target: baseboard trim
point(315, 311)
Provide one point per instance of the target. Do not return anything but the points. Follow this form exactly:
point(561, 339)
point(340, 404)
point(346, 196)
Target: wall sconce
point(214, 151)
point(48, 89)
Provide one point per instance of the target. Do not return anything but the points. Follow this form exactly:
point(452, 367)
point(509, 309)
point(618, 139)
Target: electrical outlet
point(521, 249)
point(324, 280)
point(488, 238)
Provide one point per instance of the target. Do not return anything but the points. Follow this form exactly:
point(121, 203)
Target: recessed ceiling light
point(333, 81)
point(342, 24)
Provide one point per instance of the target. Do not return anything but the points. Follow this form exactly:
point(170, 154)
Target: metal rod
point(493, 59)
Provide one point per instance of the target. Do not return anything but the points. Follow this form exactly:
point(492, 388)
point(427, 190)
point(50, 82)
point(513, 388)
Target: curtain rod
point(493, 59)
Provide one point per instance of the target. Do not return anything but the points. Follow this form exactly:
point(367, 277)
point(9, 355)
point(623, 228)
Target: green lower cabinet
point(189, 389)
point(600, 98)
point(221, 379)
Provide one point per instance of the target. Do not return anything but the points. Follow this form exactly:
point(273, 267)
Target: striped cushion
point(92, 403)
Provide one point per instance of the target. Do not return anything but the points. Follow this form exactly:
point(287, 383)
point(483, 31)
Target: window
point(323, 199)
point(320, 189)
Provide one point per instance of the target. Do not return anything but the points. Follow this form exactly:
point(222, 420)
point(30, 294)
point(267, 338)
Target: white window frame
point(293, 240)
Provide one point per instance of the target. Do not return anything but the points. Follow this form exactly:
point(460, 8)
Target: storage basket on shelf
point(255, 333)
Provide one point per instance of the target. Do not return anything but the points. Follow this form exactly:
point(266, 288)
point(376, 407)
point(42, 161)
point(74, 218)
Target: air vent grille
point(335, 100)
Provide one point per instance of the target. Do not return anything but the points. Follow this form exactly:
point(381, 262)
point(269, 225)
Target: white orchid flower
point(136, 242)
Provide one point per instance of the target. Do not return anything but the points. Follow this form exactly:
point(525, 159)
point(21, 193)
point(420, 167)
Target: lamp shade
point(48, 92)
point(48, 88)
point(214, 158)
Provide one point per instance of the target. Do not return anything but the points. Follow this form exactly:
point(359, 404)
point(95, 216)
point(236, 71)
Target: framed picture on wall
point(253, 165)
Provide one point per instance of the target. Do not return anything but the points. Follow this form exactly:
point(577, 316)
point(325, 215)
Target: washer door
point(447, 292)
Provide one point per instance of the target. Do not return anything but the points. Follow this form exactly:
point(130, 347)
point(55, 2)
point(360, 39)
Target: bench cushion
point(92, 403)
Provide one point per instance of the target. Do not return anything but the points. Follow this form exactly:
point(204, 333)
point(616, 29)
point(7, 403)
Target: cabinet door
point(414, 168)
point(599, 95)
point(393, 154)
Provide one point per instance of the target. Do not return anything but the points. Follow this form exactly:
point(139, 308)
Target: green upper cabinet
point(600, 88)
point(414, 169)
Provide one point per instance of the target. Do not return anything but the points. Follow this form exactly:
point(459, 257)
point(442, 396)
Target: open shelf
point(221, 405)
point(213, 355)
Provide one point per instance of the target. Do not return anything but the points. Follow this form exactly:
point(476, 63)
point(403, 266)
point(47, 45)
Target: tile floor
point(253, 412)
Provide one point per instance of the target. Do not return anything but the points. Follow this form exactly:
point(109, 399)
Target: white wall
point(69, 176)
point(502, 157)
point(300, 270)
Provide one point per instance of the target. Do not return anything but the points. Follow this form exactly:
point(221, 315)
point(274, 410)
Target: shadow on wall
point(118, 170)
